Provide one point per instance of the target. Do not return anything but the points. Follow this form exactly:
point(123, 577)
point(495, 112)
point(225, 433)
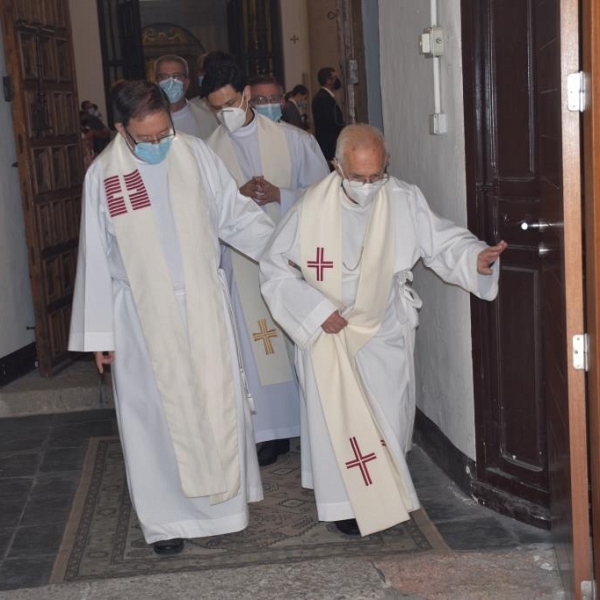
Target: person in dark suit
point(294, 109)
point(327, 115)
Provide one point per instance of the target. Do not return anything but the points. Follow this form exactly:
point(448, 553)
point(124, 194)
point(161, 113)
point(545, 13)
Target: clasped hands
point(261, 190)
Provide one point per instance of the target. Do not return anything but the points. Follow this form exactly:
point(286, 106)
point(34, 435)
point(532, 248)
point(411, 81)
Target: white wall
point(16, 304)
point(86, 49)
point(437, 165)
point(294, 34)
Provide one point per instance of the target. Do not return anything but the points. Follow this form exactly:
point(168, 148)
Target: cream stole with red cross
point(273, 353)
point(378, 493)
point(193, 367)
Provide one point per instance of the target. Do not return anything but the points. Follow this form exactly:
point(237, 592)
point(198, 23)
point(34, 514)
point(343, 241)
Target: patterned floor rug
point(103, 538)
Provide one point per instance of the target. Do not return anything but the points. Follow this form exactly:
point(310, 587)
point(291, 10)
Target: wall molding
point(462, 471)
point(17, 363)
point(456, 465)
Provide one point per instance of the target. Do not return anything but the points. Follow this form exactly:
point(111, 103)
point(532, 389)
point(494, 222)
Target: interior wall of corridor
point(436, 163)
point(16, 302)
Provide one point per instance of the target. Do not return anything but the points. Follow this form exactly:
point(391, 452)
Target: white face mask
point(363, 195)
point(233, 118)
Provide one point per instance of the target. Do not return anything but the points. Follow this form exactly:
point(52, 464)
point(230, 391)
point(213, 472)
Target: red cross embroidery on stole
point(114, 196)
point(138, 196)
point(361, 461)
point(320, 263)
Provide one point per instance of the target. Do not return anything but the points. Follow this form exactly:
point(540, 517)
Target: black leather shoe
point(173, 546)
point(269, 451)
point(347, 527)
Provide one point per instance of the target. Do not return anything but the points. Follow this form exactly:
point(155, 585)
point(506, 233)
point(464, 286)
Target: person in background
point(94, 132)
point(172, 75)
point(327, 115)
point(266, 97)
point(91, 109)
point(205, 117)
point(337, 277)
point(151, 301)
point(295, 107)
point(273, 163)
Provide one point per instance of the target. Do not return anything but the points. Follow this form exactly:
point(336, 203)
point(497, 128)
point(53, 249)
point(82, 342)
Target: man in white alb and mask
point(172, 75)
point(266, 97)
point(272, 163)
point(336, 276)
point(150, 299)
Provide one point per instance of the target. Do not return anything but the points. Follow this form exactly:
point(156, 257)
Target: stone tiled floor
point(40, 462)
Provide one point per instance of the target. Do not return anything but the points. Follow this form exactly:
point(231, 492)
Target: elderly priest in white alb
point(336, 276)
point(150, 298)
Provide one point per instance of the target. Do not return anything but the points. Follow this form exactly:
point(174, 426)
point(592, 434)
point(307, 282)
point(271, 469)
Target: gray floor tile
point(36, 541)
point(21, 424)
point(55, 484)
point(63, 459)
point(444, 507)
point(13, 497)
point(476, 534)
point(6, 536)
point(25, 572)
point(78, 434)
point(45, 510)
point(16, 440)
point(84, 416)
point(19, 464)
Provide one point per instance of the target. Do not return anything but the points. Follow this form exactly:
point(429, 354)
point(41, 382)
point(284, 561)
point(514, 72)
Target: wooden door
point(591, 170)
point(39, 60)
point(524, 179)
point(502, 104)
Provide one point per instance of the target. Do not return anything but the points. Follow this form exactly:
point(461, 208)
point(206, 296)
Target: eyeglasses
point(165, 76)
point(157, 140)
point(274, 99)
point(379, 179)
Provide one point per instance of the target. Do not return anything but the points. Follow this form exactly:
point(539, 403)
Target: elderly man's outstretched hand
point(486, 258)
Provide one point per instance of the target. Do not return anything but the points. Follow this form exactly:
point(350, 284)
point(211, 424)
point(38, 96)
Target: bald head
point(361, 151)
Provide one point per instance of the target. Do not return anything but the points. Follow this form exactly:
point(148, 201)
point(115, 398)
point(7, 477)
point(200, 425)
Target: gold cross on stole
point(264, 335)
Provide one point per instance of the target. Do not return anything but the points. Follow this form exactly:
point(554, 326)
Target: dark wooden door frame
point(591, 170)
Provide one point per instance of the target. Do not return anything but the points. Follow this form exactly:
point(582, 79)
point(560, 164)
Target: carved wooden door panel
point(39, 59)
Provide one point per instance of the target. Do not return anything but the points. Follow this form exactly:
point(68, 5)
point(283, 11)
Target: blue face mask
point(271, 111)
point(200, 80)
point(153, 153)
point(173, 88)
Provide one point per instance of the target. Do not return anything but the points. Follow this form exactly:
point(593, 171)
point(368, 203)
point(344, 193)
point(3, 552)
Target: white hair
point(172, 58)
point(358, 135)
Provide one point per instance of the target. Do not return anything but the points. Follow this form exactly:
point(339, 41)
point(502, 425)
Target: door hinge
point(577, 92)
point(580, 352)
point(588, 590)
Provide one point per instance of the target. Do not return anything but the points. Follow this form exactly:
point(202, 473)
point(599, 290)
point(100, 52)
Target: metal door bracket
point(588, 590)
point(580, 352)
point(577, 92)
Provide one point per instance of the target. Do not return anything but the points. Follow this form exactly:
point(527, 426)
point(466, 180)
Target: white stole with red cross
point(193, 367)
point(272, 351)
point(379, 496)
